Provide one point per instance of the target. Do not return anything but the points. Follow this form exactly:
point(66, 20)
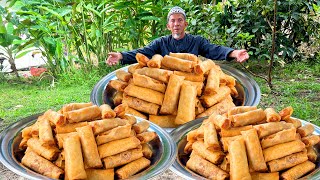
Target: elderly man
point(179, 42)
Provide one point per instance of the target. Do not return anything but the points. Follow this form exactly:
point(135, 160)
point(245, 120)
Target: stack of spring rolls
point(174, 89)
point(251, 143)
point(84, 141)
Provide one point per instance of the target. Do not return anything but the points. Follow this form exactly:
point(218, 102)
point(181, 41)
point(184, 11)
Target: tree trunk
point(12, 64)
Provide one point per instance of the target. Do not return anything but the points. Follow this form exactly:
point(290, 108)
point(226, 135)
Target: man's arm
point(213, 51)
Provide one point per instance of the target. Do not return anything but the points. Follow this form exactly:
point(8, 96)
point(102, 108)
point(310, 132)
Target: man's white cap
point(176, 10)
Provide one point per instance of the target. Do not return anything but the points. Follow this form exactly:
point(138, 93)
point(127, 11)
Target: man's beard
point(176, 36)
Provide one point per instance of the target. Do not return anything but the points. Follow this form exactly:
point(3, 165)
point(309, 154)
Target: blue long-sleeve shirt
point(188, 44)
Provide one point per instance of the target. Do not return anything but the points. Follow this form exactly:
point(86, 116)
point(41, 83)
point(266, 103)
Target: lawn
point(296, 85)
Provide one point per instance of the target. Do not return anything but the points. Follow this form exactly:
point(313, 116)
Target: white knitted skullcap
point(176, 10)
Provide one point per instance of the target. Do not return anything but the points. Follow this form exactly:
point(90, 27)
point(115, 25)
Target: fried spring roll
point(141, 127)
point(155, 73)
point(74, 166)
point(69, 127)
point(203, 167)
point(186, 107)
point(164, 121)
point(215, 157)
point(210, 100)
point(211, 140)
point(227, 140)
point(141, 105)
point(60, 161)
point(87, 113)
point(171, 97)
point(283, 136)
point(199, 86)
point(312, 154)
point(219, 108)
point(118, 85)
point(220, 121)
point(119, 132)
point(188, 148)
point(23, 144)
point(118, 146)
point(297, 123)
point(130, 119)
point(123, 75)
point(45, 133)
point(107, 112)
point(234, 131)
point(103, 125)
point(225, 165)
point(132, 168)
point(305, 130)
point(190, 76)
point(239, 168)
point(55, 117)
point(286, 113)
point(89, 147)
point(310, 140)
point(61, 137)
point(146, 136)
point(287, 161)
point(146, 150)
point(186, 56)
point(199, 108)
point(27, 132)
point(271, 128)
point(239, 110)
point(41, 165)
point(272, 115)
point(213, 81)
point(48, 152)
point(298, 170)
point(247, 118)
point(99, 174)
point(146, 94)
point(265, 176)
point(134, 67)
point(155, 61)
point(282, 150)
point(177, 63)
point(204, 66)
point(122, 158)
point(142, 59)
point(117, 98)
point(135, 113)
point(75, 106)
point(254, 150)
point(148, 82)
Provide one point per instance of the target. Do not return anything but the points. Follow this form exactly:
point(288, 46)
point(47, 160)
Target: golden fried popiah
point(155, 73)
point(132, 168)
point(272, 115)
point(166, 121)
point(141, 126)
point(142, 59)
point(210, 100)
point(103, 125)
point(311, 140)
point(75, 106)
point(141, 105)
point(135, 112)
point(297, 123)
point(305, 130)
point(286, 113)
point(239, 168)
point(55, 117)
point(212, 85)
point(298, 170)
point(99, 174)
point(117, 98)
point(71, 127)
point(48, 152)
point(287, 161)
point(283, 136)
point(312, 154)
point(247, 118)
point(85, 114)
point(134, 67)
point(107, 112)
point(177, 63)
point(116, 133)
point(148, 82)
point(147, 136)
point(155, 61)
point(234, 131)
point(271, 128)
point(190, 76)
point(204, 66)
point(147, 151)
point(186, 107)
point(265, 176)
point(185, 56)
point(145, 94)
point(118, 85)
point(122, 158)
point(219, 108)
point(214, 157)
point(123, 75)
point(61, 137)
point(45, 133)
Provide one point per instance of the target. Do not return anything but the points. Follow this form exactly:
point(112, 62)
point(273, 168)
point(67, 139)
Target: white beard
point(176, 36)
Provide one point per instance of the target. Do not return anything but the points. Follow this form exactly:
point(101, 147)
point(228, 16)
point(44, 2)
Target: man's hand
point(113, 58)
point(240, 55)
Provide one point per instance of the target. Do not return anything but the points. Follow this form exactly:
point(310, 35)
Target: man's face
point(177, 25)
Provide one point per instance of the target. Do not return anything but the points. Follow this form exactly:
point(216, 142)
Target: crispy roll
point(240, 109)
point(119, 132)
point(265, 176)
point(305, 130)
point(211, 140)
point(60, 161)
point(27, 132)
point(142, 59)
point(282, 150)
point(286, 113)
point(75, 106)
point(148, 82)
point(297, 123)
point(123, 75)
point(74, 166)
point(186, 107)
point(141, 105)
point(69, 127)
point(312, 154)
point(283, 136)
point(298, 170)
point(177, 63)
point(213, 81)
point(247, 118)
point(272, 115)
point(135, 113)
point(199, 86)
point(146, 136)
point(219, 108)
point(122, 158)
point(287, 161)
point(164, 121)
point(55, 117)
point(130, 119)
point(23, 144)
point(117, 98)
point(186, 56)
point(220, 121)
point(239, 168)
point(118, 85)
point(107, 112)
point(271, 128)
point(50, 153)
point(254, 150)
point(215, 157)
point(141, 127)
point(203, 167)
point(234, 131)
point(103, 125)
point(146, 150)
point(89, 147)
point(199, 108)
point(146, 94)
point(118, 146)
point(310, 140)
point(155, 61)
point(190, 76)
point(41, 165)
point(155, 73)
point(132, 168)
point(171, 97)
point(121, 109)
point(99, 174)
point(61, 137)
point(45, 133)
point(210, 100)
point(204, 66)
point(134, 67)
point(87, 113)
point(227, 140)
point(225, 165)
